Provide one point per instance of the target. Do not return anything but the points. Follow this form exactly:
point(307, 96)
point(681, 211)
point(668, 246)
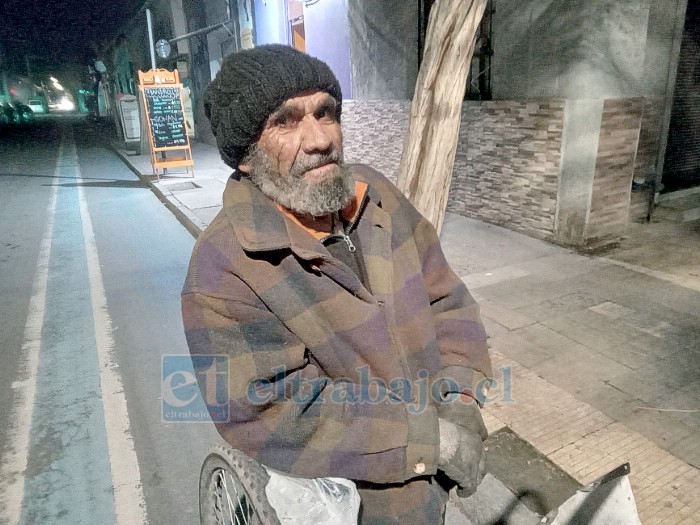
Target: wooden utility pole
point(431, 144)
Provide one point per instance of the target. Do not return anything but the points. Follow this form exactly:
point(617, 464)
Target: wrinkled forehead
point(311, 98)
point(304, 103)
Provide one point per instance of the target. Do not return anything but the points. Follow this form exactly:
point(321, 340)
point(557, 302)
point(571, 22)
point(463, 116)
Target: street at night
point(91, 267)
point(261, 225)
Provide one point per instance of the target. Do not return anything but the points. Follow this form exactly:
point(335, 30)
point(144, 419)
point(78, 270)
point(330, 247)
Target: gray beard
point(295, 193)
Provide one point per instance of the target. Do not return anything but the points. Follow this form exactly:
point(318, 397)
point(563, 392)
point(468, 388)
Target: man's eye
point(285, 122)
point(329, 113)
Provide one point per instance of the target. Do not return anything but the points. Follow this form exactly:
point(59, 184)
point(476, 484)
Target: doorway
point(682, 162)
point(295, 17)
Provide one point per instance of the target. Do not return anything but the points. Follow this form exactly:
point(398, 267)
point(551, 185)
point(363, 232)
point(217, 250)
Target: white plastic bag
point(321, 501)
point(606, 501)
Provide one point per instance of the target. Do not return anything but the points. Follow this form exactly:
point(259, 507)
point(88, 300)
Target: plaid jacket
point(328, 378)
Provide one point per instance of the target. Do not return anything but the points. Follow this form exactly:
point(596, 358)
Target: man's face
point(298, 160)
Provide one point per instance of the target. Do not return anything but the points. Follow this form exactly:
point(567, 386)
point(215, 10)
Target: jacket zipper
point(344, 235)
point(348, 241)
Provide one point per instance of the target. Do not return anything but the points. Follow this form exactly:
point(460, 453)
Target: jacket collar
point(261, 226)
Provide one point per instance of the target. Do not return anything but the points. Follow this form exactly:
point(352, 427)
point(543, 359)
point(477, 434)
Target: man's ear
point(245, 168)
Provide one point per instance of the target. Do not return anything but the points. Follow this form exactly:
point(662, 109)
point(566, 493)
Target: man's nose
point(316, 136)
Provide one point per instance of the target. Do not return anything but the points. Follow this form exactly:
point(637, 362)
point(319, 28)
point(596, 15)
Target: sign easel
point(161, 95)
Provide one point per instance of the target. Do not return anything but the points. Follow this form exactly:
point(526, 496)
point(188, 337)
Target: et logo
point(194, 388)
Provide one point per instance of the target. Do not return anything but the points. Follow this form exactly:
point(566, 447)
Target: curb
point(181, 215)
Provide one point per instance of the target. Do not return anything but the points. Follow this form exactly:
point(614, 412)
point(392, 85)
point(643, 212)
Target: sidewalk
point(598, 358)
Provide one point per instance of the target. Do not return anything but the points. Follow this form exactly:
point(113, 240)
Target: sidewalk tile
point(503, 316)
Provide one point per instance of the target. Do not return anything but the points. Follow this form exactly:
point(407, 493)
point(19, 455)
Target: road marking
point(129, 503)
point(14, 464)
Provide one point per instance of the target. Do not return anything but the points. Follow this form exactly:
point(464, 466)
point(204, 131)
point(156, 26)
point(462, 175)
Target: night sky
point(57, 32)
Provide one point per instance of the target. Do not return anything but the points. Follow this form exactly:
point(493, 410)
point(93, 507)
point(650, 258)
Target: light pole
point(149, 21)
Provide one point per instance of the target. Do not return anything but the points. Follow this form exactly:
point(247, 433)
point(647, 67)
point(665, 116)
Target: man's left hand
point(462, 457)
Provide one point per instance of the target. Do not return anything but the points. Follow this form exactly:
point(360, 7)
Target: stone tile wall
point(509, 158)
point(612, 182)
point(507, 164)
point(374, 132)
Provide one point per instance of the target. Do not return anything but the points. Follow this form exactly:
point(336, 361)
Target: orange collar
point(349, 213)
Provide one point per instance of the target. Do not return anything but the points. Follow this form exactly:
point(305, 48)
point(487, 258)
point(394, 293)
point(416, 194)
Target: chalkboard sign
point(166, 116)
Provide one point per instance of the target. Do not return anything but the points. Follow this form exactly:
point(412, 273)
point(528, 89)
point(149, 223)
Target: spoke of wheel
point(219, 504)
point(228, 498)
point(243, 504)
point(242, 508)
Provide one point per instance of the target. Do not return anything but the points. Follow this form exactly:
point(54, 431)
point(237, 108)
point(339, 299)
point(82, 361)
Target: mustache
point(304, 163)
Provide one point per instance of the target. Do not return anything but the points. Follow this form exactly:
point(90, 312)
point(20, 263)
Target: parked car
point(25, 113)
point(15, 114)
point(8, 114)
point(38, 105)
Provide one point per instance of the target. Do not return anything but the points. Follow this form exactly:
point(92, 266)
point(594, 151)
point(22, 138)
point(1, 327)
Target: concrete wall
point(217, 41)
point(590, 53)
point(648, 151)
point(581, 132)
point(270, 22)
point(564, 49)
point(555, 161)
point(383, 48)
point(328, 38)
point(199, 65)
point(595, 49)
point(137, 34)
point(179, 26)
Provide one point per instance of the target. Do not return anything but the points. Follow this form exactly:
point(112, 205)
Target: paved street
point(91, 266)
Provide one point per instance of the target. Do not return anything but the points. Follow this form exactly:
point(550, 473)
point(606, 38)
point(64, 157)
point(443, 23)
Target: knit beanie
point(251, 85)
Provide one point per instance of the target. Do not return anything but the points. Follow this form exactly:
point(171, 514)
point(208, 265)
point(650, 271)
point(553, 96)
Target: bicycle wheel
point(232, 490)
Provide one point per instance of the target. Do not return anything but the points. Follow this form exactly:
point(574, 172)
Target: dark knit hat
point(251, 85)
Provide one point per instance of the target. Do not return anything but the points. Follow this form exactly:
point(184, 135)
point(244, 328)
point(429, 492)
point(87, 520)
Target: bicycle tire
point(232, 490)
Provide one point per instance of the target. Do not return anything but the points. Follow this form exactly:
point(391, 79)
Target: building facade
point(580, 96)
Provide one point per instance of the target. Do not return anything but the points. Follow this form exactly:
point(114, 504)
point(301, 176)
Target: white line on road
point(130, 506)
point(14, 464)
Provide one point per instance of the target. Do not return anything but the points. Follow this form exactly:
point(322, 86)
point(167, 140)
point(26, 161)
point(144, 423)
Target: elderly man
point(354, 350)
